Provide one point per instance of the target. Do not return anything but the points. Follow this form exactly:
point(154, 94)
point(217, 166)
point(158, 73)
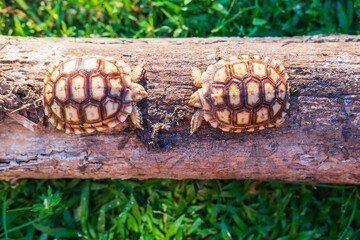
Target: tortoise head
point(138, 92)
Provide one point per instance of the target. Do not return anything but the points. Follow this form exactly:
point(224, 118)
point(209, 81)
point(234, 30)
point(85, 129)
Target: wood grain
point(320, 141)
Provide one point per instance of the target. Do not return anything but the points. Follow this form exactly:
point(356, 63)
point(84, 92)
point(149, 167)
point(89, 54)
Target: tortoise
point(90, 94)
point(241, 94)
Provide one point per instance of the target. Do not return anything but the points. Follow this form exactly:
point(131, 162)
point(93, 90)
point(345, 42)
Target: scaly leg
point(136, 117)
point(196, 121)
point(195, 100)
point(138, 73)
point(196, 77)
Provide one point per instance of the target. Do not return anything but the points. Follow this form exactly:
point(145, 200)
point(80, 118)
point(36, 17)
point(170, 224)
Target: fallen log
point(319, 142)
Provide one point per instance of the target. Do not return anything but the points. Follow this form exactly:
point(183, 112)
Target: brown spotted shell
point(245, 93)
point(87, 94)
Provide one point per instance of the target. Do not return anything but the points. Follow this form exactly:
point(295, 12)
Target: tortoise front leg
point(195, 99)
point(196, 121)
point(196, 77)
point(136, 116)
point(138, 73)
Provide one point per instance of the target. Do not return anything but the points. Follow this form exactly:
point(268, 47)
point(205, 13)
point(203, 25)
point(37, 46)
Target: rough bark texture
point(320, 141)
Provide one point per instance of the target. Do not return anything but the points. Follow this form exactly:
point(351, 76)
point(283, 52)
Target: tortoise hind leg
point(136, 117)
point(196, 121)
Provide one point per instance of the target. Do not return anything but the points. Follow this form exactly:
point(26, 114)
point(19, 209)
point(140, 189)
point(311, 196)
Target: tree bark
point(319, 142)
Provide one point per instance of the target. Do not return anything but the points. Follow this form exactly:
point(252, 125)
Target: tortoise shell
point(245, 93)
point(87, 94)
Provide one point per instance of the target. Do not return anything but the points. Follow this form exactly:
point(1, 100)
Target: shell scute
point(78, 88)
point(243, 117)
point(259, 70)
point(240, 70)
point(92, 113)
point(116, 86)
point(221, 75)
point(48, 92)
point(224, 115)
point(69, 67)
point(61, 90)
point(109, 68)
point(56, 108)
point(274, 76)
point(72, 114)
point(110, 108)
point(55, 74)
point(282, 91)
point(275, 108)
point(90, 64)
point(235, 94)
point(269, 91)
point(97, 87)
point(218, 96)
point(252, 92)
point(262, 114)
point(111, 122)
point(60, 125)
point(127, 108)
point(127, 96)
point(127, 79)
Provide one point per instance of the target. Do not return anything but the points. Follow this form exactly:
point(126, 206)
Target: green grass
point(169, 209)
point(178, 18)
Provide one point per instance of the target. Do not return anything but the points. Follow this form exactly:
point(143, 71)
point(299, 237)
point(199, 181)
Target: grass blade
point(26, 224)
point(57, 232)
point(84, 206)
point(4, 215)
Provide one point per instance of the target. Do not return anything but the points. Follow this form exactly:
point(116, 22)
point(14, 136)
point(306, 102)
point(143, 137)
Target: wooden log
point(320, 141)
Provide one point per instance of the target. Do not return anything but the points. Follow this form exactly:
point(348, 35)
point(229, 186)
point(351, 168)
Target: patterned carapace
point(92, 94)
point(241, 94)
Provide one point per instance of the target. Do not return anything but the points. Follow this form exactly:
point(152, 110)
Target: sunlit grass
point(178, 18)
